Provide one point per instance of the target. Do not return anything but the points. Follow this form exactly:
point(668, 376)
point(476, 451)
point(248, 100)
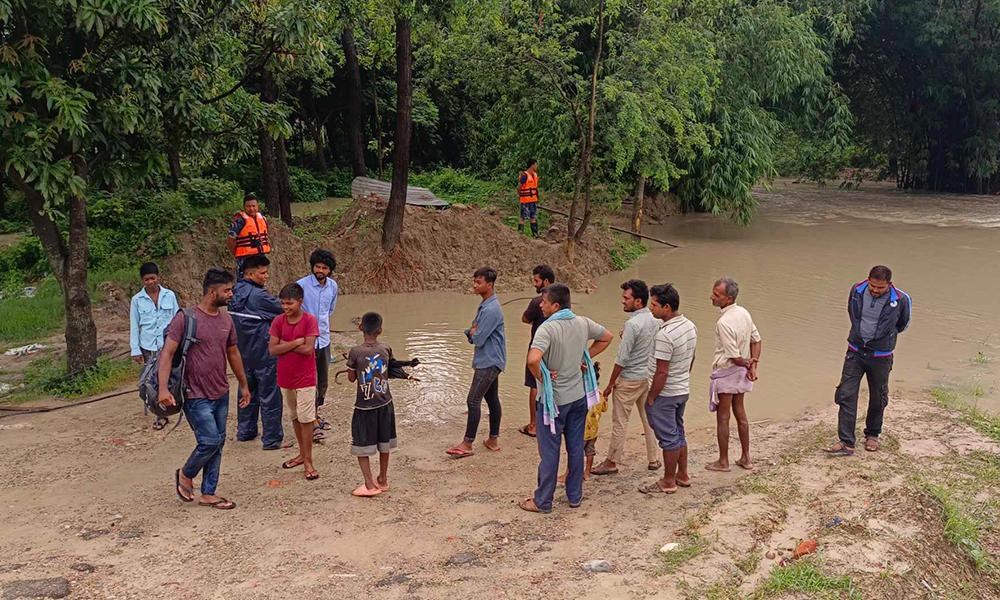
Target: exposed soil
point(94, 485)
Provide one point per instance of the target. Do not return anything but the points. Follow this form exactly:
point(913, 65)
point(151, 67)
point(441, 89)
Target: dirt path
point(91, 485)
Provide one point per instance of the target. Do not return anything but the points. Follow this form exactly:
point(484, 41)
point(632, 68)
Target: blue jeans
point(265, 400)
point(207, 418)
point(570, 423)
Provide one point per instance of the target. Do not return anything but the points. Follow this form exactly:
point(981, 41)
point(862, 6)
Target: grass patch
point(961, 530)
point(749, 563)
point(321, 225)
point(49, 375)
point(980, 359)
point(780, 491)
point(805, 576)
point(627, 250)
point(692, 547)
point(457, 185)
point(984, 421)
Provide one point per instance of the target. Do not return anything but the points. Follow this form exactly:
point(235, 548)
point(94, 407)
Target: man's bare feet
point(382, 483)
point(718, 466)
point(492, 444)
point(586, 475)
point(745, 463)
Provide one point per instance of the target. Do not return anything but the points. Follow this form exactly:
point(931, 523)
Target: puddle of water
point(795, 266)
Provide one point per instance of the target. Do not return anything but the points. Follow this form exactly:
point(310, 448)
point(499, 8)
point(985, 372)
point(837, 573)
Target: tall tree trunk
point(173, 153)
point(593, 122)
point(315, 125)
point(268, 166)
point(355, 105)
point(577, 187)
point(378, 131)
point(69, 265)
point(3, 198)
point(640, 193)
point(392, 227)
point(284, 182)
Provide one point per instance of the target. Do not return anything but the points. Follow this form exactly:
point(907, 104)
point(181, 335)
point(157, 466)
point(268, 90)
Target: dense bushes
point(206, 193)
point(456, 185)
point(305, 186)
point(22, 263)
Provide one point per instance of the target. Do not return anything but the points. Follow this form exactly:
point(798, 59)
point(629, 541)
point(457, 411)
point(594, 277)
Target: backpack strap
point(190, 330)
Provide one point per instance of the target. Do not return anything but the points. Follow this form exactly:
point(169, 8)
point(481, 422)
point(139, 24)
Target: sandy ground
point(94, 485)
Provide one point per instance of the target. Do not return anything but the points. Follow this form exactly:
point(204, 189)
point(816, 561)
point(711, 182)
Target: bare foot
point(746, 463)
point(561, 479)
point(718, 466)
point(586, 475)
point(492, 444)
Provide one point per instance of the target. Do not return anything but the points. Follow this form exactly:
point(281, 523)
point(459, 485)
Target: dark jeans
point(877, 370)
point(207, 418)
point(570, 423)
point(485, 383)
point(322, 373)
point(265, 400)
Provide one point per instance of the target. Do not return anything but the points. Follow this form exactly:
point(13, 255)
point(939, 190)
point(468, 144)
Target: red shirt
point(296, 371)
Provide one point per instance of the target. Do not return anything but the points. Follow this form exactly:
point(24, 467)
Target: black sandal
point(178, 487)
point(160, 423)
point(221, 504)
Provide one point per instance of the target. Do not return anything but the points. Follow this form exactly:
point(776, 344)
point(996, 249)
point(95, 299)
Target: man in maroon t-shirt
point(293, 341)
point(206, 388)
point(541, 276)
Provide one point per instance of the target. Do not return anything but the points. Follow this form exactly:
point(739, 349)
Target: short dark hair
point(487, 273)
point(291, 291)
point(322, 256)
point(215, 277)
point(531, 161)
point(639, 290)
point(597, 370)
point(881, 273)
point(557, 293)
point(666, 295)
point(248, 197)
point(371, 322)
point(148, 268)
point(255, 261)
point(544, 272)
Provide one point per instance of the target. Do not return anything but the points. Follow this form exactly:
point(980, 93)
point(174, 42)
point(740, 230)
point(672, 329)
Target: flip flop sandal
point(384, 488)
point(220, 504)
point(525, 431)
point(312, 476)
point(836, 453)
point(160, 424)
point(459, 452)
point(654, 488)
point(603, 471)
point(178, 487)
point(871, 445)
point(530, 506)
point(363, 492)
point(491, 449)
point(683, 485)
point(654, 467)
point(286, 465)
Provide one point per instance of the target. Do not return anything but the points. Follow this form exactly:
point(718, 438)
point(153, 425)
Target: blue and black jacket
point(253, 309)
point(894, 320)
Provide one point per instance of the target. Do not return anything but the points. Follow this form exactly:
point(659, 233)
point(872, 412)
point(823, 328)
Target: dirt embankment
point(440, 250)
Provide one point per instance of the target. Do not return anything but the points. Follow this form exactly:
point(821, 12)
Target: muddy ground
point(87, 495)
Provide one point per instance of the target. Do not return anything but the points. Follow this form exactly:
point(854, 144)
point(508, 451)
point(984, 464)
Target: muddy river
point(795, 266)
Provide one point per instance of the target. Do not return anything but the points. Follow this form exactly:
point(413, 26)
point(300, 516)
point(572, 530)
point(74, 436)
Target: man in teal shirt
point(149, 314)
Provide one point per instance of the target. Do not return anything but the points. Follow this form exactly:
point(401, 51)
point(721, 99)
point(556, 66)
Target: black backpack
point(149, 385)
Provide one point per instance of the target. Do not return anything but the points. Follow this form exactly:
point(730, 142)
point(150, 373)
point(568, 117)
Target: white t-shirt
point(675, 342)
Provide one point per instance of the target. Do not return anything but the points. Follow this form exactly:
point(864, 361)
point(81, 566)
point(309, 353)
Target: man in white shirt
point(734, 369)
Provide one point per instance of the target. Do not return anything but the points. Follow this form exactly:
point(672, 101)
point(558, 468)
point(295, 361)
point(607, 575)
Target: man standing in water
point(527, 191)
point(541, 277)
point(629, 379)
point(206, 404)
point(149, 314)
point(320, 301)
point(561, 362)
point(734, 369)
point(489, 359)
point(879, 312)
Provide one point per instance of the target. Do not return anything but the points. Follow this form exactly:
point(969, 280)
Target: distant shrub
point(338, 183)
point(306, 187)
point(209, 192)
point(456, 185)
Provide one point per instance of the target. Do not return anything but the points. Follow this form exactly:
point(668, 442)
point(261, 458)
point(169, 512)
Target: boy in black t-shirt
point(373, 427)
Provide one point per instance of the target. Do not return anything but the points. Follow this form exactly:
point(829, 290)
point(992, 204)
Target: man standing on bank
point(734, 369)
point(206, 404)
point(541, 277)
point(253, 309)
point(489, 359)
point(321, 293)
point(560, 360)
point(630, 377)
point(248, 233)
point(149, 314)
point(879, 312)
point(527, 191)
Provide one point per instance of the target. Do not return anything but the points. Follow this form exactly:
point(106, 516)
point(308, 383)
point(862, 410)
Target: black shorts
point(373, 431)
point(529, 379)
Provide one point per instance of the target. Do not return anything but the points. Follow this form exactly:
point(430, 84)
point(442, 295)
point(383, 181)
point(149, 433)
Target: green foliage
point(206, 193)
point(689, 549)
point(305, 186)
point(131, 226)
point(961, 529)
point(21, 264)
point(249, 177)
point(50, 378)
point(804, 576)
point(456, 185)
point(627, 250)
point(338, 183)
point(983, 420)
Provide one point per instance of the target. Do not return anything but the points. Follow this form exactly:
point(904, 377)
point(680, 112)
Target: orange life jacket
point(528, 191)
point(253, 237)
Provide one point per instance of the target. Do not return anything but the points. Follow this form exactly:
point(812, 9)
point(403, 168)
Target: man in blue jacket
point(879, 312)
point(252, 310)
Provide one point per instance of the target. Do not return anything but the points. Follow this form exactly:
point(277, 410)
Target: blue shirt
point(147, 321)
point(489, 339)
point(319, 301)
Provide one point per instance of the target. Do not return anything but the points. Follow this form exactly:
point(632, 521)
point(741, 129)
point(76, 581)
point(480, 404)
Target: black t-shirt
point(371, 368)
point(534, 314)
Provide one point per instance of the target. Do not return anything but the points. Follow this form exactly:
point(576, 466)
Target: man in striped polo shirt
point(670, 368)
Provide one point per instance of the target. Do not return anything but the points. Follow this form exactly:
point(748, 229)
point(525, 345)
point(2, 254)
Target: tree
point(392, 226)
point(355, 104)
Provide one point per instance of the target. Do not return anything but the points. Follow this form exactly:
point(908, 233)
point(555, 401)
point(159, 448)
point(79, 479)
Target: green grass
point(980, 359)
point(749, 563)
point(780, 491)
point(804, 576)
point(317, 229)
point(690, 548)
point(626, 251)
point(986, 422)
point(961, 530)
point(49, 376)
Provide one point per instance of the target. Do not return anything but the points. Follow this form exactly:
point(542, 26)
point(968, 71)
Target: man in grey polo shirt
point(671, 363)
point(630, 377)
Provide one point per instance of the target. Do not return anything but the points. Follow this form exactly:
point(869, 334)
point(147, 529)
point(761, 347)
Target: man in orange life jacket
point(527, 190)
point(248, 234)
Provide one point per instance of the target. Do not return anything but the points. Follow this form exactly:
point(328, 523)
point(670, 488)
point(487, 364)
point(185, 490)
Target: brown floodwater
point(795, 264)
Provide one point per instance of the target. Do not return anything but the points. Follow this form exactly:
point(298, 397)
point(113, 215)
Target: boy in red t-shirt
point(293, 337)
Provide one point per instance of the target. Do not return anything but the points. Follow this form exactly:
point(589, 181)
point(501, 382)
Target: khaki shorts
point(300, 403)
